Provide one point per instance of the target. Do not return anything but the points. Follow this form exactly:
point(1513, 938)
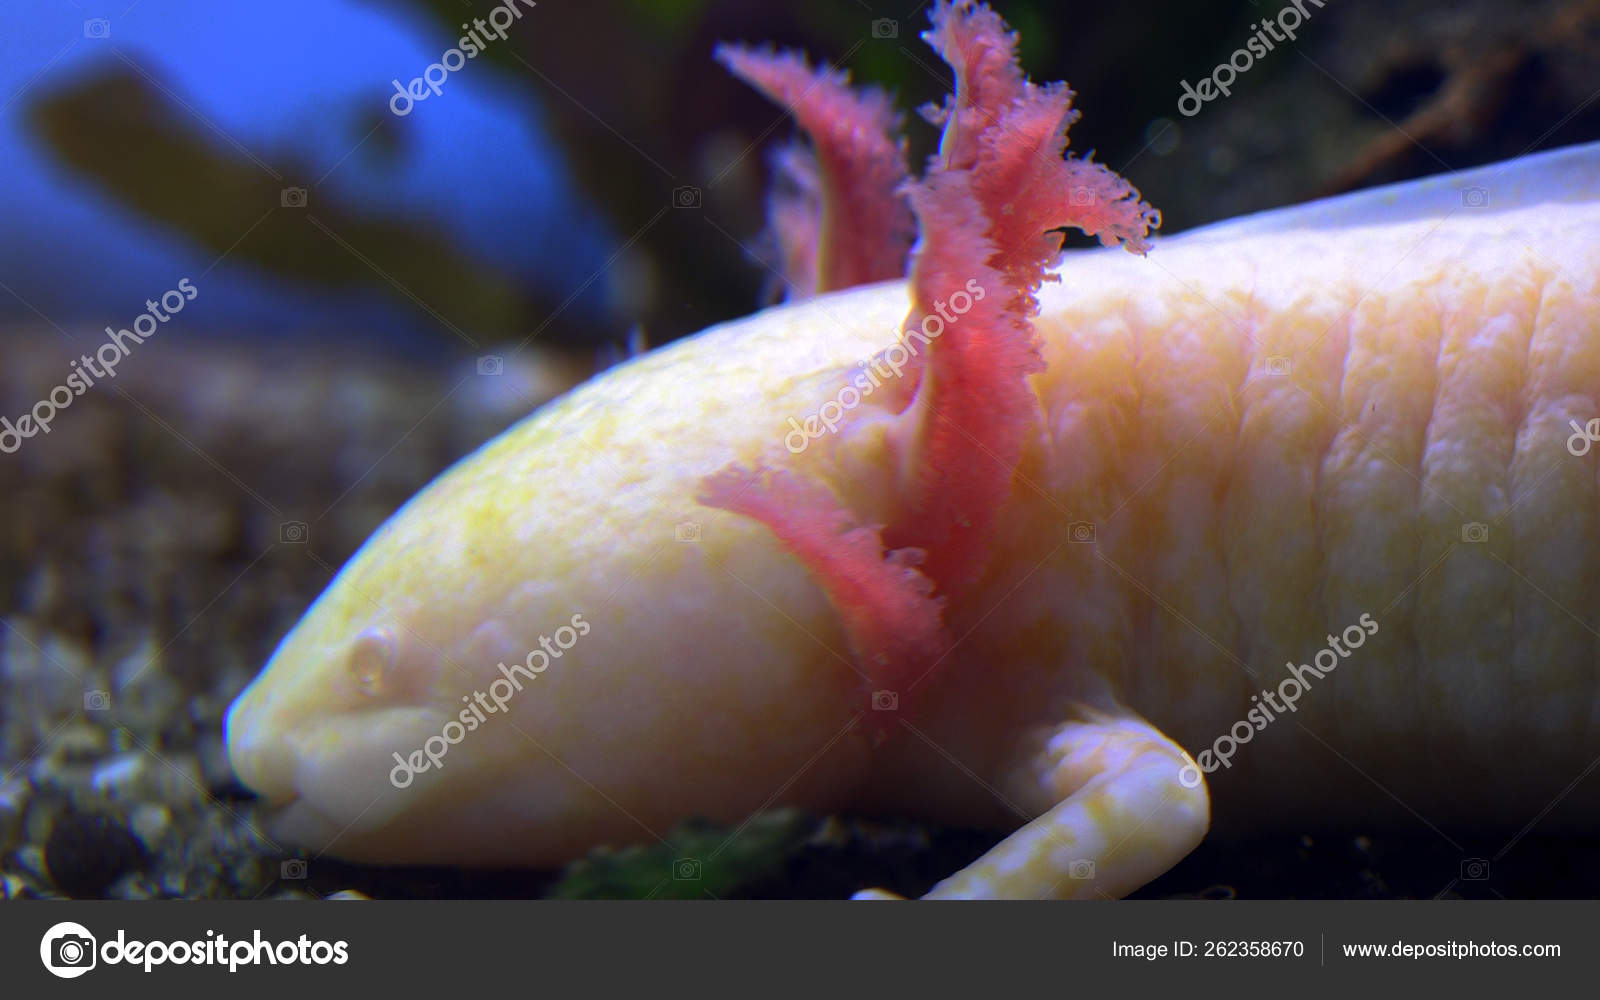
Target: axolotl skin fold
point(1291, 522)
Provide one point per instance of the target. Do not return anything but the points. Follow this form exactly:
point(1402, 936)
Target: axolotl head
point(390, 724)
point(555, 645)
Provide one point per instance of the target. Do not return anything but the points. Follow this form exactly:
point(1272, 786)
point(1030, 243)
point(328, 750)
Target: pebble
point(144, 694)
point(79, 742)
point(31, 860)
point(150, 822)
point(175, 884)
point(13, 887)
point(177, 779)
point(137, 885)
point(13, 807)
point(87, 852)
point(69, 759)
point(344, 894)
point(121, 775)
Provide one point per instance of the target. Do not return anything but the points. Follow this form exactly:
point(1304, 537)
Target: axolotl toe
point(1293, 520)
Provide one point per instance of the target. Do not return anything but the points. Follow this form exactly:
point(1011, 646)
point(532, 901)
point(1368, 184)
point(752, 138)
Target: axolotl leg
point(1125, 804)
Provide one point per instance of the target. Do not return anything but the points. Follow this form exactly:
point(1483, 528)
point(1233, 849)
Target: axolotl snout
point(1287, 521)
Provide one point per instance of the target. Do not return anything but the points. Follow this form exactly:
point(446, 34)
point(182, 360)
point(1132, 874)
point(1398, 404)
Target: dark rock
point(86, 852)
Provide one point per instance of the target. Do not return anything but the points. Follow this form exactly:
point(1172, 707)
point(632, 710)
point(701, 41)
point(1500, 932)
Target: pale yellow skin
point(1274, 427)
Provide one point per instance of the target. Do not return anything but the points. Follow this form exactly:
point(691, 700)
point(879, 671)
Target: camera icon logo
point(1474, 869)
point(687, 196)
point(97, 701)
point(97, 27)
point(1081, 532)
point(491, 364)
point(1474, 197)
point(1279, 366)
point(68, 950)
point(885, 701)
point(294, 868)
point(1081, 196)
point(294, 198)
point(1081, 869)
point(294, 533)
point(1475, 532)
point(885, 27)
point(686, 870)
point(688, 531)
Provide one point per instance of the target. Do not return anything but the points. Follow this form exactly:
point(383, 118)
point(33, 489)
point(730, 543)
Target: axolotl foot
point(1129, 804)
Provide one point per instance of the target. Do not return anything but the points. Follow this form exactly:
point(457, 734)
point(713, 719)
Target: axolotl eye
point(374, 657)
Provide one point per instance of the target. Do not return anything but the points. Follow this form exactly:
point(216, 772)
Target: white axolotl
point(1308, 495)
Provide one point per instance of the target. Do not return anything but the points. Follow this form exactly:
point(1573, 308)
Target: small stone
point(121, 775)
point(145, 696)
point(14, 794)
point(136, 885)
point(60, 776)
point(150, 822)
point(31, 860)
point(12, 886)
point(86, 852)
point(177, 779)
point(68, 762)
point(79, 742)
point(344, 894)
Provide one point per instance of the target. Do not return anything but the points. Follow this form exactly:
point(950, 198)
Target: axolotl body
point(1290, 522)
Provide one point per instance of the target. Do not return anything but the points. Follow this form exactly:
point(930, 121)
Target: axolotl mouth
point(315, 769)
point(305, 764)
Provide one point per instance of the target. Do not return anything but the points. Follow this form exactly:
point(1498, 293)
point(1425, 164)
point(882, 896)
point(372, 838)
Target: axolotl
point(1291, 521)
